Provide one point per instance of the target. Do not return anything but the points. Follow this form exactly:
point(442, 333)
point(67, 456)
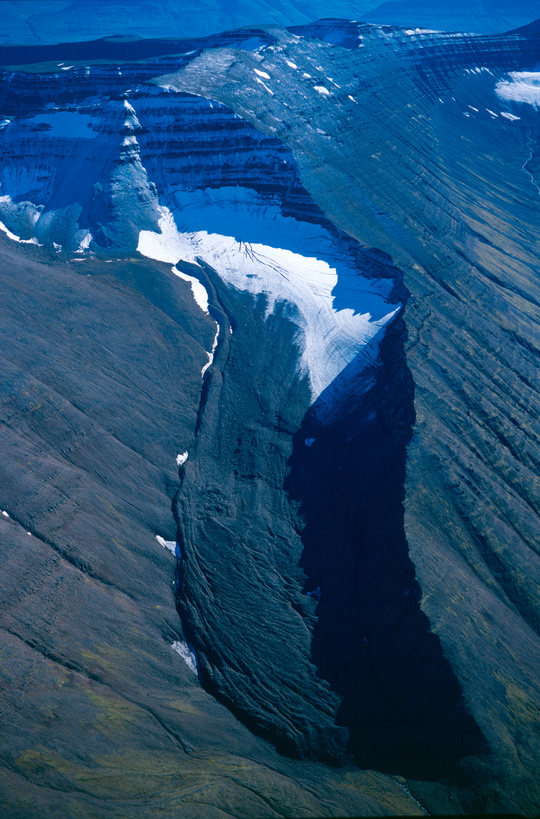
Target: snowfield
point(523, 86)
point(338, 311)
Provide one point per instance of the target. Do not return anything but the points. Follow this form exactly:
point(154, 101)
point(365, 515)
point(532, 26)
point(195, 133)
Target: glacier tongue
point(339, 312)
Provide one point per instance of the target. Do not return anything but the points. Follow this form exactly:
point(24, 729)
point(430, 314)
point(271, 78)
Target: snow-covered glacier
point(178, 178)
point(255, 255)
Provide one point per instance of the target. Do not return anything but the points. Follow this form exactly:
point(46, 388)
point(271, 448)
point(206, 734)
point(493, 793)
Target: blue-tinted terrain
point(270, 414)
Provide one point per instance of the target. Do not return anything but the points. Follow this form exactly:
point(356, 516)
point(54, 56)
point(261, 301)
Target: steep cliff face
point(430, 178)
point(318, 234)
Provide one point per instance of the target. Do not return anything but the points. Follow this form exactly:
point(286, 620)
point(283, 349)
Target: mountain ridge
point(477, 16)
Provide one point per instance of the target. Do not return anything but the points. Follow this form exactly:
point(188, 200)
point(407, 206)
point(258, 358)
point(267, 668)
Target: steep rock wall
point(427, 175)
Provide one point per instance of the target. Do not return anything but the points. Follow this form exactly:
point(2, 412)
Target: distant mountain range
point(52, 21)
point(482, 16)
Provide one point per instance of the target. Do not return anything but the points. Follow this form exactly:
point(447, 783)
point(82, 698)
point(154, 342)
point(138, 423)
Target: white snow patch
point(10, 235)
point(171, 545)
point(5, 122)
point(67, 67)
point(472, 108)
point(262, 74)
point(208, 363)
point(181, 459)
point(187, 654)
point(478, 70)
point(170, 246)
point(5, 514)
point(131, 122)
point(265, 86)
point(352, 99)
point(85, 243)
point(200, 293)
point(493, 114)
point(524, 86)
point(411, 31)
point(509, 116)
point(306, 76)
point(322, 90)
point(291, 64)
point(211, 354)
